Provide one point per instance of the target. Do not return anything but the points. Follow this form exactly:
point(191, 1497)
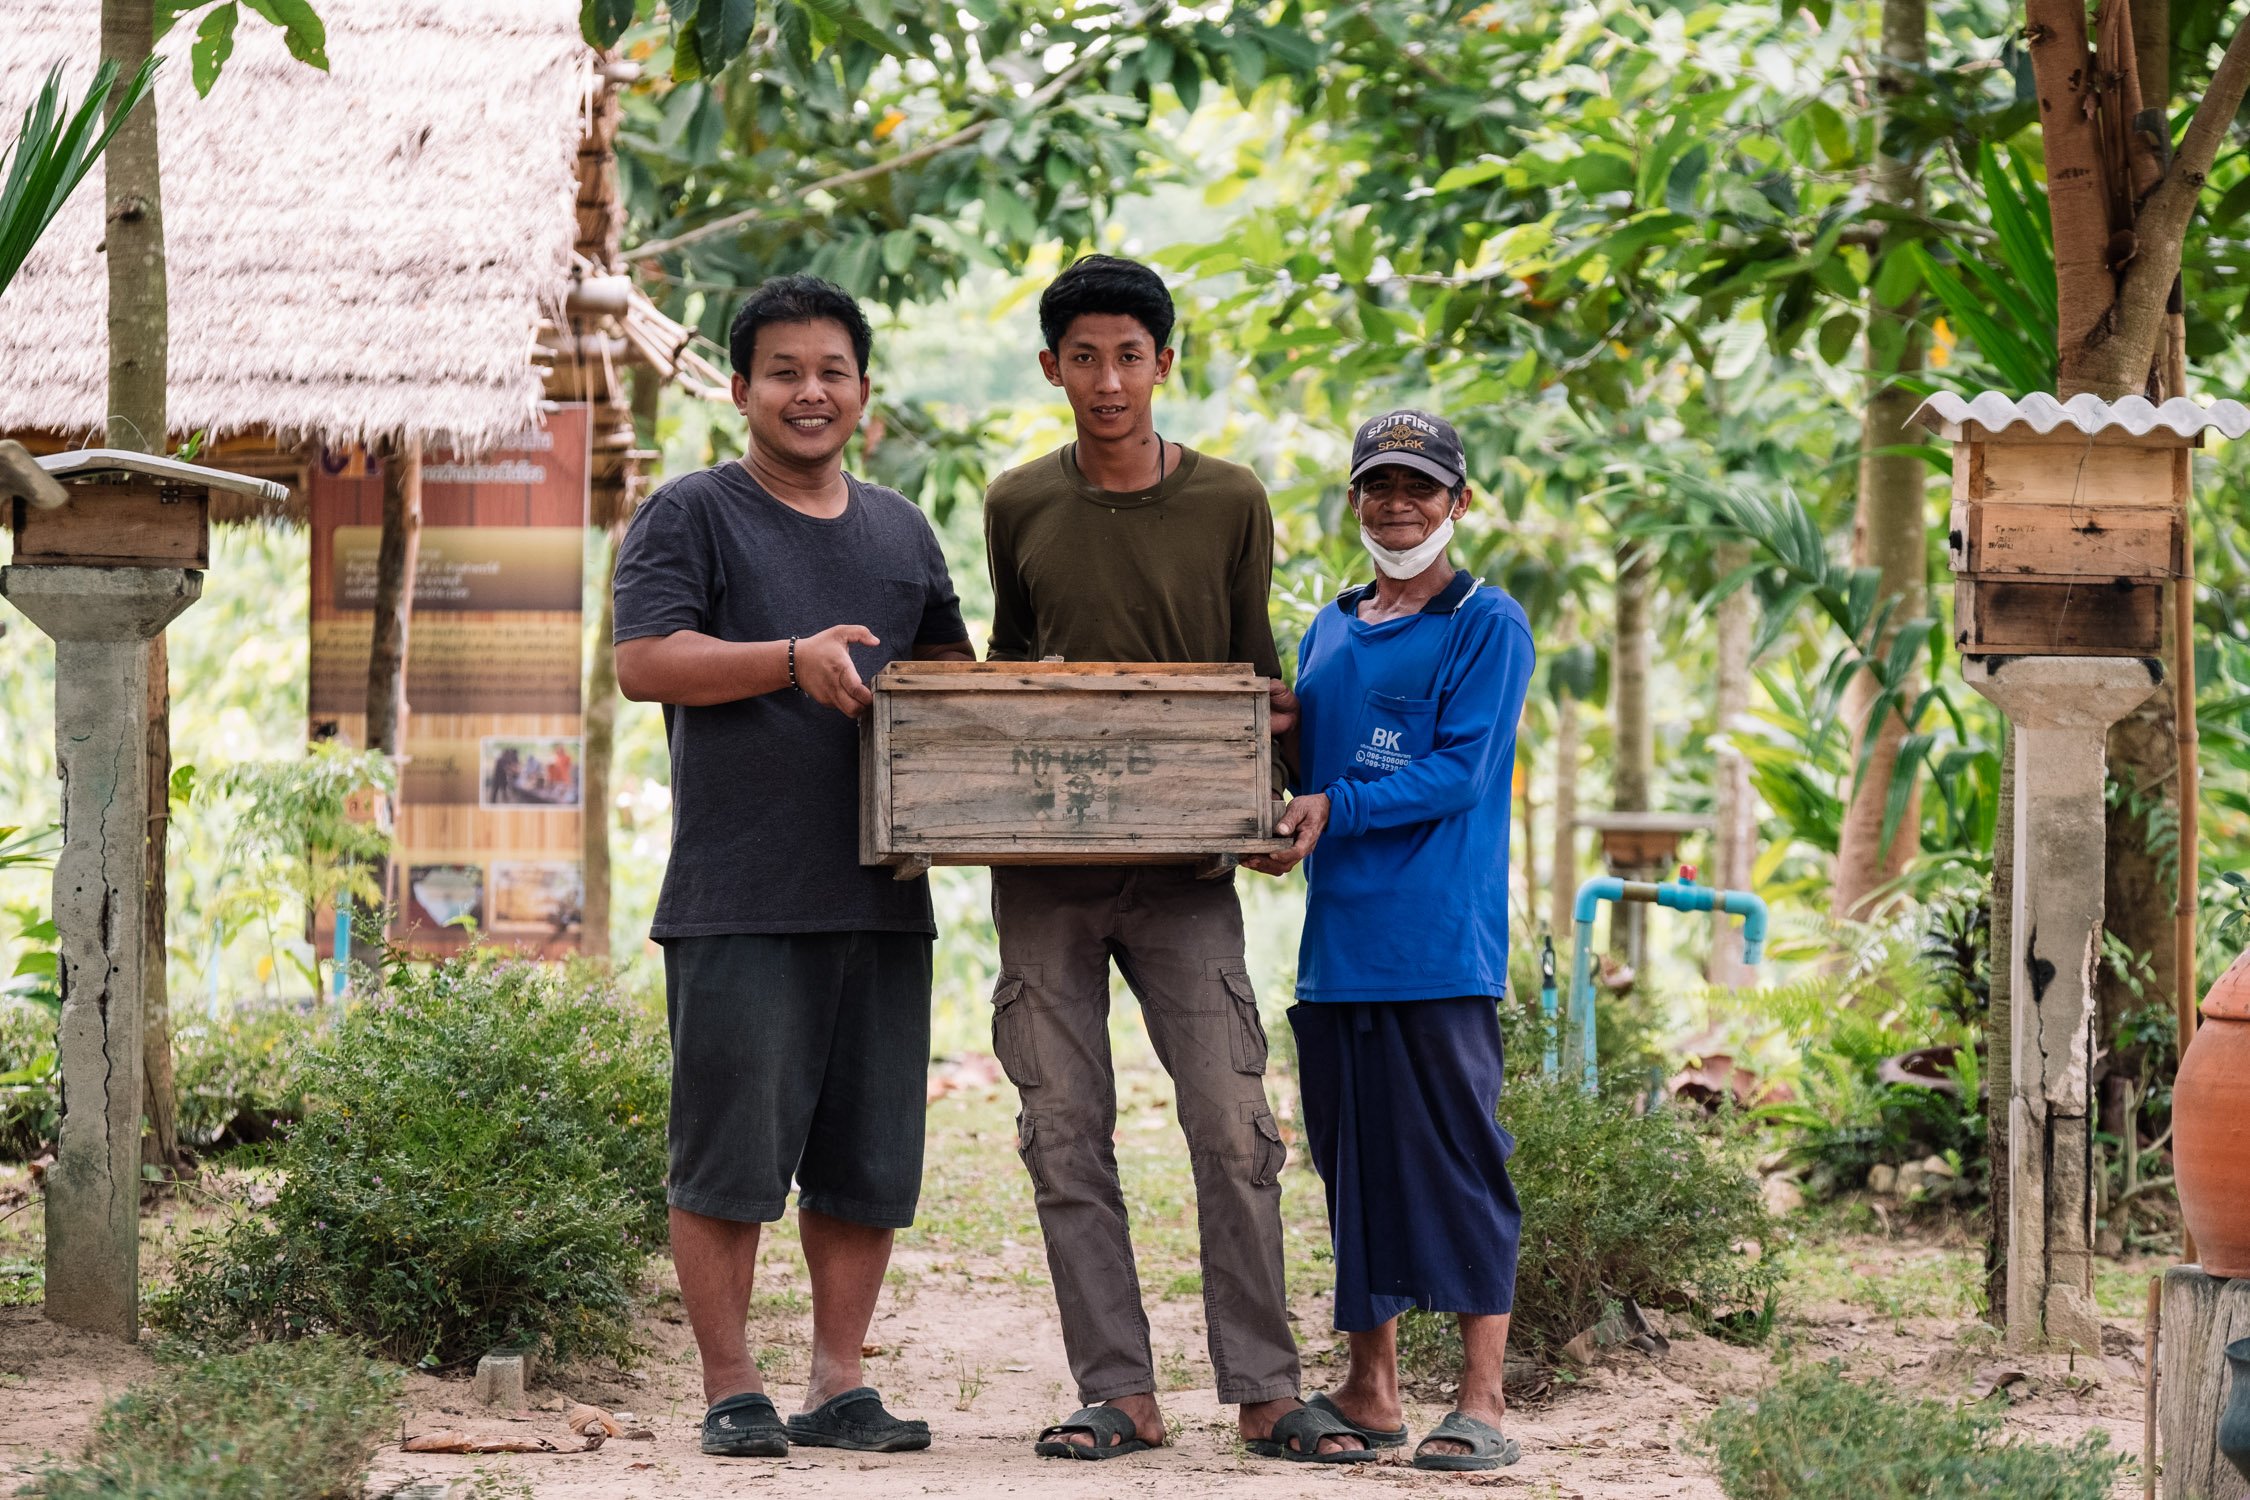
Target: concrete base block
point(501, 1378)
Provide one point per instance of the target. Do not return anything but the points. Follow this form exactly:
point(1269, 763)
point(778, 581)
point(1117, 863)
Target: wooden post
point(598, 750)
point(2202, 1315)
point(396, 558)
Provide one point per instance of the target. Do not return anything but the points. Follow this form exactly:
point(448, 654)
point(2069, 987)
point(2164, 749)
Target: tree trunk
point(2152, 53)
point(596, 755)
point(1999, 1030)
point(2114, 321)
point(1735, 848)
point(139, 348)
point(1562, 868)
point(1527, 798)
point(396, 558)
point(1633, 767)
point(1889, 532)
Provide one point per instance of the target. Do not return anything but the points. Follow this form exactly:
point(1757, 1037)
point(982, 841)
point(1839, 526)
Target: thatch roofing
point(352, 254)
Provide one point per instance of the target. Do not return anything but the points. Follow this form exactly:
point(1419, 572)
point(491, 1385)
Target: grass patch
point(1815, 1432)
point(1888, 1280)
point(295, 1421)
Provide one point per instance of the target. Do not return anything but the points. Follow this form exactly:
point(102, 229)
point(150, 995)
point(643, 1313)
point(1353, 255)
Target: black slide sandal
point(858, 1420)
point(1113, 1433)
point(1374, 1437)
point(1297, 1437)
point(1488, 1449)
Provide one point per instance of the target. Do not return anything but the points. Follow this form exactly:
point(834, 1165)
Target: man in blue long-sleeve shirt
point(1410, 688)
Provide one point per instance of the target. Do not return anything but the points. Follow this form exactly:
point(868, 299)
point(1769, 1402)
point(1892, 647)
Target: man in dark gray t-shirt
point(755, 600)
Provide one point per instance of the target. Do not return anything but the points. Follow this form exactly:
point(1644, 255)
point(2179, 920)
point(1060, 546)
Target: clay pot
point(2211, 1127)
point(2234, 1421)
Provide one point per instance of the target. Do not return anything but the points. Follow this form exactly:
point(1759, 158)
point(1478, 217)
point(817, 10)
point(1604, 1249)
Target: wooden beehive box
point(1065, 763)
point(2062, 542)
point(119, 520)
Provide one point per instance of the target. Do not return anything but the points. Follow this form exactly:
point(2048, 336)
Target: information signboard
point(488, 811)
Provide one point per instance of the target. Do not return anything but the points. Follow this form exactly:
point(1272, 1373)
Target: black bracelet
point(793, 663)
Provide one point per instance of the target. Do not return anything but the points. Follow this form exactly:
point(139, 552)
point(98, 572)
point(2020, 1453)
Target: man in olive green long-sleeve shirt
point(1124, 547)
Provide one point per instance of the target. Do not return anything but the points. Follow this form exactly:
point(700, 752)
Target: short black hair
point(796, 299)
point(1100, 284)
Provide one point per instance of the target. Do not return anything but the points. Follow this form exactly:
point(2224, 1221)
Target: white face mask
point(1414, 560)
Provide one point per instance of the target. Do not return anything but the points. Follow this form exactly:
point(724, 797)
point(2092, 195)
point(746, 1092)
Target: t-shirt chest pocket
point(1392, 734)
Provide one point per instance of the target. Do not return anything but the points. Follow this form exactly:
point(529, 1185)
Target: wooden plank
point(130, 525)
point(2016, 617)
point(1018, 855)
point(2077, 473)
point(901, 672)
point(2202, 1315)
point(1118, 685)
point(2064, 542)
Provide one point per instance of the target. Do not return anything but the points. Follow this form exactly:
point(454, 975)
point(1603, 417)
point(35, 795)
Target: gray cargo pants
point(1178, 942)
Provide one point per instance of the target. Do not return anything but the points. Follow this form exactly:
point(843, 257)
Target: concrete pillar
point(101, 620)
point(2060, 708)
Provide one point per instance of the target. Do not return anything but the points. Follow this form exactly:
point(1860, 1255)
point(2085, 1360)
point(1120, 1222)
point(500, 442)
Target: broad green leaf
point(1469, 174)
point(1680, 184)
point(603, 22)
point(722, 30)
point(1837, 336)
point(214, 44)
point(301, 29)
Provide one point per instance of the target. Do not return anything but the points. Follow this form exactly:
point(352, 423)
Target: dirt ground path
point(966, 1337)
point(984, 1365)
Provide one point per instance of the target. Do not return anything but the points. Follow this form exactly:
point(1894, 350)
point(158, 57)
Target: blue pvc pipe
point(1552, 1062)
point(1682, 895)
point(343, 925)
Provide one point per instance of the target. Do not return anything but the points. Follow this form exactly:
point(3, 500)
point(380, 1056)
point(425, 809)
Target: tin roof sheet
point(2043, 414)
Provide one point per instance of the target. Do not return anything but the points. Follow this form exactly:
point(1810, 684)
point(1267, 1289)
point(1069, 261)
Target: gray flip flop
point(1297, 1437)
point(1488, 1449)
point(857, 1420)
point(1374, 1437)
point(1113, 1433)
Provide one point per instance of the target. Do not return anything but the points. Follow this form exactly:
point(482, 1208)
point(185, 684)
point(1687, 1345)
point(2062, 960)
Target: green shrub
point(1817, 1433)
point(480, 1163)
point(237, 1077)
point(30, 1099)
point(1621, 1204)
point(273, 1422)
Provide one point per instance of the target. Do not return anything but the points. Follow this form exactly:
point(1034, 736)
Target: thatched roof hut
point(387, 250)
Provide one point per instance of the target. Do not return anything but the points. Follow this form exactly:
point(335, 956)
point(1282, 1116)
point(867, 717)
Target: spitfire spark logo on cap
point(1413, 439)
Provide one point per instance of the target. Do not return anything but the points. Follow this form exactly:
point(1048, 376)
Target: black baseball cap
point(1415, 439)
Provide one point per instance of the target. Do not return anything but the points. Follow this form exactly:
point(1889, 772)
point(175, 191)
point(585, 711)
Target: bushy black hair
point(1100, 284)
point(796, 299)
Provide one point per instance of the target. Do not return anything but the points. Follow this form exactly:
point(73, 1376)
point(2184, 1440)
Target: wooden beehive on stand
point(125, 510)
point(2067, 521)
point(1065, 763)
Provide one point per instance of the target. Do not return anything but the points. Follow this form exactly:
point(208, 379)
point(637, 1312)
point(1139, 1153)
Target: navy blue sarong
point(1400, 1102)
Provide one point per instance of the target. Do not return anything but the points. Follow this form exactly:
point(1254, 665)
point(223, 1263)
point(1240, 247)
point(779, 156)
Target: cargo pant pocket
point(1268, 1154)
point(1012, 1027)
point(1246, 1028)
point(1027, 1147)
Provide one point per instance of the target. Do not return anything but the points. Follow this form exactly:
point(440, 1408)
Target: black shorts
point(799, 1055)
